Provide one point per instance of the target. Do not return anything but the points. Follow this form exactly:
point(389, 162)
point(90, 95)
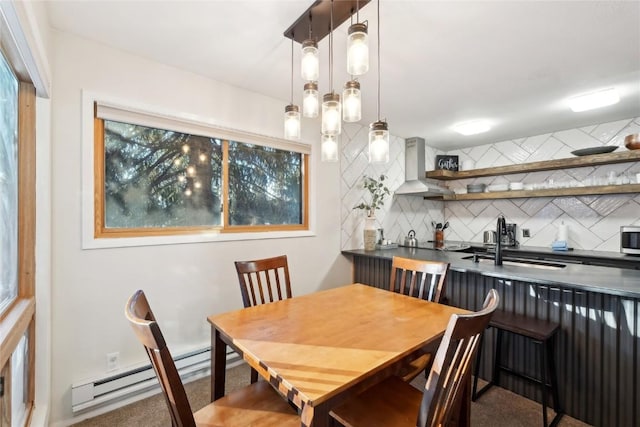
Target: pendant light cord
point(378, 60)
point(292, 69)
point(331, 51)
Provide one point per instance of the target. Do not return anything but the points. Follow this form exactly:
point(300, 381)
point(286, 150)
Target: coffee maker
point(509, 239)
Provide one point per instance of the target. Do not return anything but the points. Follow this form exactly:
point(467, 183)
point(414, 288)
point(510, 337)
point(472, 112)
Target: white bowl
point(498, 187)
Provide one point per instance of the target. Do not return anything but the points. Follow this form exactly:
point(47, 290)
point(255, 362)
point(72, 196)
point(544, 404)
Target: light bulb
point(191, 171)
point(185, 148)
point(351, 102)
point(379, 143)
point(331, 114)
point(310, 101)
point(329, 148)
point(291, 122)
point(357, 50)
point(310, 64)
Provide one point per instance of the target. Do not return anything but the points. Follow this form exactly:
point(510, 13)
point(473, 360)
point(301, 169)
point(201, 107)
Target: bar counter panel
point(596, 348)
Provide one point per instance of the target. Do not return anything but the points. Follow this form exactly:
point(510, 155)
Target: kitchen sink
point(518, 262)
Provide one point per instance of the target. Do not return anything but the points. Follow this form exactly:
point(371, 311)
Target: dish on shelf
point(632, 142)
point(516, 186)
point(595, 150)
point(498, 187)
point(476, 188)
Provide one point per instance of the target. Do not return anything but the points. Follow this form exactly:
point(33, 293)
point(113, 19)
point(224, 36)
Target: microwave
point(630, 239)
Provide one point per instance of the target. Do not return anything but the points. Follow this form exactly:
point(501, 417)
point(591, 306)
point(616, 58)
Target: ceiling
point(513, 63)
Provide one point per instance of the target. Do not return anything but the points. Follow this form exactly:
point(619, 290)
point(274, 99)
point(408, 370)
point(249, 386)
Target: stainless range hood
point(415, 184)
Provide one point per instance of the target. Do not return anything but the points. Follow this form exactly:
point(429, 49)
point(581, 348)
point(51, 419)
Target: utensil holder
point(438, 239)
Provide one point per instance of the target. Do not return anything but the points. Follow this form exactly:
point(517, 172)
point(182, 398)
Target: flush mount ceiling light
point(593, 100)
point(471, 128)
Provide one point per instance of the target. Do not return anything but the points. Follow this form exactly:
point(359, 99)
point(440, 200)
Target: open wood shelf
point(550, 192)
point(572, 162)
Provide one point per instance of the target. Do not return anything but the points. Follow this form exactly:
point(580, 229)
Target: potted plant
point(378, 191)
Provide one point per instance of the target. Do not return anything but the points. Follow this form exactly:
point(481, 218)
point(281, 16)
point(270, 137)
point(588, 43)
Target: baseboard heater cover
point(138, 381)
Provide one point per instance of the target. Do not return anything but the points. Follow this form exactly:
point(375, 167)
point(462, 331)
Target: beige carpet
point(497, 407)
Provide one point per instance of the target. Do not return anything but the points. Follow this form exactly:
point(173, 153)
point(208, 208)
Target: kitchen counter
point(592, 278)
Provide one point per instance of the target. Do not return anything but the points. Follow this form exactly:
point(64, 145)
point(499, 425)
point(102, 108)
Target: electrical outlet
point(113, 361)
point(525, 232)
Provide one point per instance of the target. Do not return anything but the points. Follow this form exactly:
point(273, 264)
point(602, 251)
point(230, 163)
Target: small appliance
point(630, 239)
point(509, 239)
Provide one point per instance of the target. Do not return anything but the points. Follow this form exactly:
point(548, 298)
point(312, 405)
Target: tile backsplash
point(593, 221)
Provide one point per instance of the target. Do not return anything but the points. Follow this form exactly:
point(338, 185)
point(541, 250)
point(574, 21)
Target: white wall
point(184, 283)
point(593, 221)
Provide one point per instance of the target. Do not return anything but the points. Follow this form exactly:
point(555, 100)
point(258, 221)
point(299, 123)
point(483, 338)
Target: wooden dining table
point(319, 349)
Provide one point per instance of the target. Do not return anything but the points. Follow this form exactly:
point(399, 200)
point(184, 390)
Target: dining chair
point(422, 279)
point(396, 403)
point(261, 279)
point(256, 405)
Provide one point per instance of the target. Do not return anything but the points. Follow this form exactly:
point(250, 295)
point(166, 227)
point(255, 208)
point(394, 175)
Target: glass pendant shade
point(357, 50)
point(310, 100)
point(379, 142)
point(351, 102)
point(331, 114)
point(310, 64)
point(291, 122)
point(329, 148)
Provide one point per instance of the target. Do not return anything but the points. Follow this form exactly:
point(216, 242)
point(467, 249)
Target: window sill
point(122, 242)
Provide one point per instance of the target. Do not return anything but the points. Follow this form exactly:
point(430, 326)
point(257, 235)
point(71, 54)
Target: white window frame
point(187, 123)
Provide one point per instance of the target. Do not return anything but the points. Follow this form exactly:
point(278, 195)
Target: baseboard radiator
point(135, 384)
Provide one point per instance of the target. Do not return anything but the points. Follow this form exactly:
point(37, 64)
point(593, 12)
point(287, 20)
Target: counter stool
point(541, 332)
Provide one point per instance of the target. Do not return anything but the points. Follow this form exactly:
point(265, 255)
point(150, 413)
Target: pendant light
point(310, 100)
point(310, 64)
point(331, 107)
point(310, 61)
point(291, 112)
point(329, 148)
point(357, 47)
point(379, 130)
point(351, 102)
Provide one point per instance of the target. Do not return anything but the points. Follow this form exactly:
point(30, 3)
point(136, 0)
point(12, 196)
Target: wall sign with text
point(449, 163)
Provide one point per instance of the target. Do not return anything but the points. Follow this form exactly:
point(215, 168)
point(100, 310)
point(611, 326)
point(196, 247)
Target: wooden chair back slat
point(264, 280)
point(419, 278)
point(453, 363)
point(148, 332)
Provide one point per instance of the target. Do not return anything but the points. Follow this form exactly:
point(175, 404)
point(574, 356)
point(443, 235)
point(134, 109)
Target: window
point(157, 175)
point(17, 243)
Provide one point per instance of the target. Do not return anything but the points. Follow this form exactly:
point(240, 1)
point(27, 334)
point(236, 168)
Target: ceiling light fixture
point(310, 62)
point(331, 107)
point(358, 46)
point(325, 14)
point(472, 127)
point(379, 130)
point(351, 102)
point(593, 100)
point(310, 100)
point(291, 112)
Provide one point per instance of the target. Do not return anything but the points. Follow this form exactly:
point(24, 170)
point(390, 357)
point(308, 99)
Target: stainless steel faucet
point(501, 230)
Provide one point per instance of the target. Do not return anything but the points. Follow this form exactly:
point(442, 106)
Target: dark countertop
point(592, 278)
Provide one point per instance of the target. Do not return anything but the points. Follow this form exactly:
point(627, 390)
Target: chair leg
point(254, 376)
point(557, 405)
point(497, 360)
point(476, 371)
point(543, 381)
